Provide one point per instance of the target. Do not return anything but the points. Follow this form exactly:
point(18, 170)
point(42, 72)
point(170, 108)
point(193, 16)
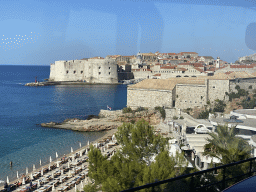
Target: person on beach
point(5, 185)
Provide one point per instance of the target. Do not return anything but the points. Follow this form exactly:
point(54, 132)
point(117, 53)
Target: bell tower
point(218, 63)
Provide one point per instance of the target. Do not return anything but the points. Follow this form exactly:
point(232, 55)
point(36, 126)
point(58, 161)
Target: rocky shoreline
point(106, 120)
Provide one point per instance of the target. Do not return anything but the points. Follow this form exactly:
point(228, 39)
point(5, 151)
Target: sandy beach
point(107, 134)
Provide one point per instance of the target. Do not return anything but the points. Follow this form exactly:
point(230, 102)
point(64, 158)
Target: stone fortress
point(185, 92)
point(93, 70)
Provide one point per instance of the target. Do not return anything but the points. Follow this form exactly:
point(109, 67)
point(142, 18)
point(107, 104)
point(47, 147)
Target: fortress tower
point(218, 63)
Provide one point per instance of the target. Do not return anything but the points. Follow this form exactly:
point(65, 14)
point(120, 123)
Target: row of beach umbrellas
point(34, 167)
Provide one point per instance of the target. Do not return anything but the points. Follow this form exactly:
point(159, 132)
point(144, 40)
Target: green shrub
point(219, 106)
point(181, 117)
point(250, 87)
point(237, 87)
point(175, 117)
point(127, 110)
point(162, 111)
point(141, 109)
point(204, 115)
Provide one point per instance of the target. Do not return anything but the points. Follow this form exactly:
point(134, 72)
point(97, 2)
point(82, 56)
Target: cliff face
point(108, 120)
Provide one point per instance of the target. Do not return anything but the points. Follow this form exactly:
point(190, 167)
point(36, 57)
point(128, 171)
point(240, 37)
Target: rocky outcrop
point(106, 120)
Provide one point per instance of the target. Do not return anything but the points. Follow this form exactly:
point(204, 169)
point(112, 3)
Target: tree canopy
point(133, 164)
point(226, 146)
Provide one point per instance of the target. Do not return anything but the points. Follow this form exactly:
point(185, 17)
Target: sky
point(40, 32)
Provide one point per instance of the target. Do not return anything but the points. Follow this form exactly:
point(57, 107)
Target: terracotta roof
point(189, 52)
point(149, 54)
point(171, 54)
point(157, 74)
point(197, 64)
point(182, 69)
point(184, 64)
point(169, 59)
point(232, 75)
point(198, 69)
point(211, 69)
point(166, 84)
point(241, 66)
point(207, 57)
point(167, 67)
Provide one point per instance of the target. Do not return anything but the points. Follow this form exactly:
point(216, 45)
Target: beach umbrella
point(81, 154)
point(34, 167)
point(50, 159)
point(58, 164)
point(7, 180)
point(23, 181)
point(81, 186)
point(26, 170)
point(80, 144)
point(57, 155)
point(17, 174)
point(40, 162)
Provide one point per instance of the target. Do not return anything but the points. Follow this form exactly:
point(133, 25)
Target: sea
point(22, 109)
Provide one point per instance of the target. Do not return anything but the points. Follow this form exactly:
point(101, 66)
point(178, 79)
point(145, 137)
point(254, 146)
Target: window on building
point(74, 72)
point(99, 67)
point(81, 72)
point(109, 68)
point(109, 73)
point(66, 72)
point(99, 73)
point(213, 87)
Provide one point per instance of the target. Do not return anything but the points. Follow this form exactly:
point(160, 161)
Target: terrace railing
point(222, 171)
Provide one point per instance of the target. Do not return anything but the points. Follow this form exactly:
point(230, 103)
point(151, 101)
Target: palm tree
point(228, 148)
point(225, 146)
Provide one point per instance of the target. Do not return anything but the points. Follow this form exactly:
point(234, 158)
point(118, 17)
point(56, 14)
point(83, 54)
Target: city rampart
point(148, 98)
point(190, 96)
point(217, 89)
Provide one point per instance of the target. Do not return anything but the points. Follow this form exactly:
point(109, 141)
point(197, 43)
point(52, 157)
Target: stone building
point(187, 92)
point(206, 59)
point(94, 70)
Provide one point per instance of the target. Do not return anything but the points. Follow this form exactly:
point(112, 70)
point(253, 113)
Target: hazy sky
point(40, 32)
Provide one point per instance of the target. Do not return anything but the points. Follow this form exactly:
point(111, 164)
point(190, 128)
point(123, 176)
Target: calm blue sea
point(22, 140)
